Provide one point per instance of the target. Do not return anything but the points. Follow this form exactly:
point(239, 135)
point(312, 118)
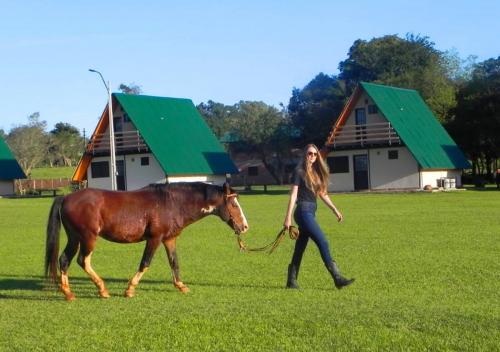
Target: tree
point(476, 122)
point(66, 145)
point(412, 62)
point(29, 142)
point(262, 129)
point(254, 127)
point(314, 109)
point(131, 88)
point(217, 116)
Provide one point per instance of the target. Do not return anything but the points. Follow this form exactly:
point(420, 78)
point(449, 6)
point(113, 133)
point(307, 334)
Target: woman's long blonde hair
point(315, 175)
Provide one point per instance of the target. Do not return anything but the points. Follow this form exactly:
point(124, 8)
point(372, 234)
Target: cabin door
point(360, 163)
point(120, 177)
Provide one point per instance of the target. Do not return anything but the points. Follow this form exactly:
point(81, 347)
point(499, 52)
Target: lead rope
point(293, 232)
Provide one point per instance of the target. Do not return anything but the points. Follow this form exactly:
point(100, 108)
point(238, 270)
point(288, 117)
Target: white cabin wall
point(344, 182)
point(99, 182)
point(138, 176)
point(213, 179)
point(430, 177)
point(400, 173)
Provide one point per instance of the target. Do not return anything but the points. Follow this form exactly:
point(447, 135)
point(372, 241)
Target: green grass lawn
point(52, 172)
point(427, 274)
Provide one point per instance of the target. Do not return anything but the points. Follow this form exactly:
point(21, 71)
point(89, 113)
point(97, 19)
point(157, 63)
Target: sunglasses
point(312, 153)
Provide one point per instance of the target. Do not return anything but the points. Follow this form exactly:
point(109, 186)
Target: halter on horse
point(155, 214)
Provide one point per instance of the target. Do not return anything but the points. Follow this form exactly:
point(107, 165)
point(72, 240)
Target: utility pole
point(111, 133)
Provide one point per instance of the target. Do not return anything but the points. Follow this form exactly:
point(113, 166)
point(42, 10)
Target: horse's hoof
point(129, 294)
point(104, 294)
point(184, 289)
point(181, 287)
point(69, 297)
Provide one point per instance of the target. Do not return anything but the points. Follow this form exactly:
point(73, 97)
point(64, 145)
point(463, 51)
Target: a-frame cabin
point(9, 170)
point(387, 138)
point(157, 140)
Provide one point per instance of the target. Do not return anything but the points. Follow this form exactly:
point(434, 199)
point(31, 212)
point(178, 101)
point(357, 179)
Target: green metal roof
point(417, 126)
point(177, 135)
point(9, 167)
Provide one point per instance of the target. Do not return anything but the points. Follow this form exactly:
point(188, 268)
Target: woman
point(310, 181)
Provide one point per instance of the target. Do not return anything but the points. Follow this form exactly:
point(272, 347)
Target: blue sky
point(225, 51)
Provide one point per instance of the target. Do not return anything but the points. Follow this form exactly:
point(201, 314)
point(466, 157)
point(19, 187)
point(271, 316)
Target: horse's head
point(230, 211)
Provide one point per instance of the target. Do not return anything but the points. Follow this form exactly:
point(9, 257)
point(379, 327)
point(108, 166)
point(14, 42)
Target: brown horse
point(155, 214)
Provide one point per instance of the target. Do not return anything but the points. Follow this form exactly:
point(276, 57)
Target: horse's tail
point(52, 241)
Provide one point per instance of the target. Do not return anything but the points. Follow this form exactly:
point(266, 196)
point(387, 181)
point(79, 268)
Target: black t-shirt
point(304, 194)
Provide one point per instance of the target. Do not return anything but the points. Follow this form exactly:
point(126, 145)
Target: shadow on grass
point(21, 283)
point(37, 284)
point(232, 285)
point(25, 284)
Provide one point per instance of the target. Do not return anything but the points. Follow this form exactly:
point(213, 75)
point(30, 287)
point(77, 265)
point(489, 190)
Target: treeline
point(34, 147)
point(463, 94)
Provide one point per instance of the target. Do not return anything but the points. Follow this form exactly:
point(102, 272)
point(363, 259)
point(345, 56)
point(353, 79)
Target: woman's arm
point(291, 203)
point(326, 199)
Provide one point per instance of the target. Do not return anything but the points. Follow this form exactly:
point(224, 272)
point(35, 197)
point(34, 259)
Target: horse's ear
point(226, 188)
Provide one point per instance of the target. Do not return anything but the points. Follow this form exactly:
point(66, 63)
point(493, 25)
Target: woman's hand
point(287, 223)
point(329, 203)
point(338, 214)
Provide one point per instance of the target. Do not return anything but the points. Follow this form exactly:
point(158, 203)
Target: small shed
point(9, 170)
point(387, 138)
point(157, 139)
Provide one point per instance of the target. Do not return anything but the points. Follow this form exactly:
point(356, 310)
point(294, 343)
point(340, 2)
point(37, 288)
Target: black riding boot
point(293, 272)
point(339, 280)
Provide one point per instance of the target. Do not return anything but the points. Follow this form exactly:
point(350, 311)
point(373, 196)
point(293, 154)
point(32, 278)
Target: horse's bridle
point(231, 218)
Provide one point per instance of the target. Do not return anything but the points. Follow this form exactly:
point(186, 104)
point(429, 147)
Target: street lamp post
point(111, 132)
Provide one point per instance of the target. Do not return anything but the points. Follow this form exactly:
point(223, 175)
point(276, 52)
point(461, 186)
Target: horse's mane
point(208, 191)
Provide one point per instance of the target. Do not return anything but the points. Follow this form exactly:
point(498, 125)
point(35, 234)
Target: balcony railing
point(124, 141)
point(363, 135)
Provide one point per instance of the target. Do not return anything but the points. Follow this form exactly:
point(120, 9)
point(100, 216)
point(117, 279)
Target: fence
point(43, 185)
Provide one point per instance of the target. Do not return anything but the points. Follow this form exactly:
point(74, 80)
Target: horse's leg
point(87, 245)
point(64, 263)
point(174, 264)
point(149, 251)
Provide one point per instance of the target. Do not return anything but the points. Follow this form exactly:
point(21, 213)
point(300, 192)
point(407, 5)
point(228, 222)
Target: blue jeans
point(305, 217)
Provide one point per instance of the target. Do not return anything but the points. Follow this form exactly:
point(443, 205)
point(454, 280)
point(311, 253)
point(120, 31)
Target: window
point(99, 169)
point(338, 164)
point(360, 117)
point(126, 118)
point(253, 171)
point(145, 161)
point(118, 124)
point(392, 154)
point(372, 109)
